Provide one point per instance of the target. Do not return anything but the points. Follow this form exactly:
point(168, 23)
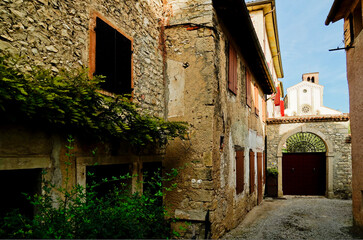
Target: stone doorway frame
point(329, 159)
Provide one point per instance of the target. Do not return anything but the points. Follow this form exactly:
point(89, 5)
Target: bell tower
point(311, 77)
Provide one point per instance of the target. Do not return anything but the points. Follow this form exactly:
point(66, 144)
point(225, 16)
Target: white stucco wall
point(306, 98)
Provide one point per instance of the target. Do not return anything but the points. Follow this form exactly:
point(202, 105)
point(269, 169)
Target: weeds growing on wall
point(70, 100)
point(79, 213)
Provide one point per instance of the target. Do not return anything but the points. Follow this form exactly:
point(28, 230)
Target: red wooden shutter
point(264, 167)
point(232, 70)
point(252, 171)
point(263, 110)
point(282, 108)
point(277, 97)
point(248, 88)
point(348, 31)
point(259, 178)
point(240, 171)
point(256, 100)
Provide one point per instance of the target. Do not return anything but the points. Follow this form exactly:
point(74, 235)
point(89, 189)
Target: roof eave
point(276, 54)
point(232, 11)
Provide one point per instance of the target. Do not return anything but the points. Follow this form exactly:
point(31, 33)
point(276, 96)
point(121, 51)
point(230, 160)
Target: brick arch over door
point(329, 158)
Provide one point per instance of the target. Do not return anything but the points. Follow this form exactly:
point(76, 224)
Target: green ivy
point(70, 100)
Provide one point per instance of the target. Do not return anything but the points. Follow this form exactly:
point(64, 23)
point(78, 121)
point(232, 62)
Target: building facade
point(180, 61)
point(306, 98)
point(263, 16)
point(351, 13)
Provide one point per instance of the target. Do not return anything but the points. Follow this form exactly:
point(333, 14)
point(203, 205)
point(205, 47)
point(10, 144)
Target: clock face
point(305, 91)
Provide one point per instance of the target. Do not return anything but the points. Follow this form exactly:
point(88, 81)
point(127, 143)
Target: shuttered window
point(240, 171)
point(348, 31)
point(232, 70)
point(248, 88)
point(113, 58)
point(264, 167)
point(257, 100)
point(252, 171)
point(263, 110)
point(277, 97)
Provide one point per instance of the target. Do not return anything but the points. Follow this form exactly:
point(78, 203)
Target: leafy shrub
point(80, 213)
point(272, 172)
point(70, 100)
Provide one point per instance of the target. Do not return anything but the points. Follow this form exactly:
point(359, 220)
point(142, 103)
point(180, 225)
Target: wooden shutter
point(248, 88)
point(264, 167)
point(240, 171)
point(357, 17)
point(263, 110)
point(348, 31)
point(277, 97)
point(232, 70)
point(259, 178)
point(257, 98)
point(252, 171)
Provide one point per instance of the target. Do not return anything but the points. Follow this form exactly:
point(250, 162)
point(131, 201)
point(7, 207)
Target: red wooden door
point(303, 173)
point(259, 178)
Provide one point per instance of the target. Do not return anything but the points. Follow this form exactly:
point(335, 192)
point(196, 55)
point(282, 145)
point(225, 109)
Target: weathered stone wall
point(194, 61)
point(56, 34)
point(189, 12)
point(221, 123)
point(334, 133)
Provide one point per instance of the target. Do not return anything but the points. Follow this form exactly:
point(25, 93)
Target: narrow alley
point(297, 218)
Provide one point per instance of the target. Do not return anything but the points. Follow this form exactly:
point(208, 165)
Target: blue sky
point(305, 41)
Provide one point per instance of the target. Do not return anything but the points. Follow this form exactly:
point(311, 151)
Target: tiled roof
point(311, 118)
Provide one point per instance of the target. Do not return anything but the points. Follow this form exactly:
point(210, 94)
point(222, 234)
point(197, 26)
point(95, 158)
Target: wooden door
point(304, 173)
point(259, 178)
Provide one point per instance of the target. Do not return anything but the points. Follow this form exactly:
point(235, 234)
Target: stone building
point(181, 60)
point(70, 34)
point(310, 146)
point(312, 155)
point(351, 12)
point(306, 97)
point(217, 77)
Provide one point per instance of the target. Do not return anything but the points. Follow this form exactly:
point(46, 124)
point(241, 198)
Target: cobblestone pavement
point(297, 218)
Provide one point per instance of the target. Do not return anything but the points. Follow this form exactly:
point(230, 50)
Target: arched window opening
point(308, 79)
point(304, 142)
point(312, 79)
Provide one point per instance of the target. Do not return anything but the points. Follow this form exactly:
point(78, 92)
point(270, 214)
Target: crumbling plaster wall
point(335, 133)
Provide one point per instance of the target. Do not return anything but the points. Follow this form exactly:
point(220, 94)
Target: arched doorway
point(304, 165)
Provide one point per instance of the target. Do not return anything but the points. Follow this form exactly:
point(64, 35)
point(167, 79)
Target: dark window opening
point(100, 172)
point(152, 172)
point(232, 70)
point(13, 184)
point(113, 58)
point(312, 79)
point(308, 79)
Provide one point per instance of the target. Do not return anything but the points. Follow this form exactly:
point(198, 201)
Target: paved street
point(297, 218)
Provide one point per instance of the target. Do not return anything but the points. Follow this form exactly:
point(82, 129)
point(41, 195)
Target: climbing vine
point(70, 100)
